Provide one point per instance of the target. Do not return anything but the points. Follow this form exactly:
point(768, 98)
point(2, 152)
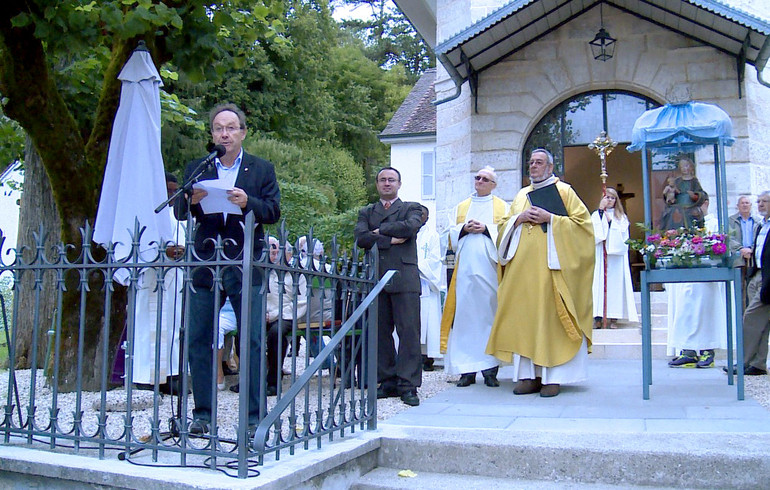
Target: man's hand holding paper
point(219, 197)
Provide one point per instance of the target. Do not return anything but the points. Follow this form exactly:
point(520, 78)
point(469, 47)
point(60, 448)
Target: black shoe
point(753, 371)
point(386, 392)
point(173, 387)
point(491, 380)
point(747, 371)
point(271, 390)
point(236, 388)
point(198, 427)
point(410, 398)
point(427, 363)
point(467, 379)
point(144, 387)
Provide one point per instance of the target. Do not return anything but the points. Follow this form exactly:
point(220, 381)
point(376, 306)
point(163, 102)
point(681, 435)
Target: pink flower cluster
point(684, 247)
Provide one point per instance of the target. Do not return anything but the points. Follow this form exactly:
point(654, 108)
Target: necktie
point(387, 205)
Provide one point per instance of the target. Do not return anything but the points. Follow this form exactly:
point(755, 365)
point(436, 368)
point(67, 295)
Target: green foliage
point(389, 38)
point(317, 86)
point(11, 141)
point(321, 186)
point(298, 76)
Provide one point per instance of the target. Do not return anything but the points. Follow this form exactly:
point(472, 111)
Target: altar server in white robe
point(429, 263)
point(147, 342)
point(697, 318)
point(611, 232)
point(472, 297)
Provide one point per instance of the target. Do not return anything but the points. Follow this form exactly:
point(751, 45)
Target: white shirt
point(761, 242)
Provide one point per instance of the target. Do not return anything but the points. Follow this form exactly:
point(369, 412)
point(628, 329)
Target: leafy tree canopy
point(389, 37)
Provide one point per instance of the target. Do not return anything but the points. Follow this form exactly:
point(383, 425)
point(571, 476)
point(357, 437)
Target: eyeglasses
point(389, 181)
point(483, 179)
point(229, 129)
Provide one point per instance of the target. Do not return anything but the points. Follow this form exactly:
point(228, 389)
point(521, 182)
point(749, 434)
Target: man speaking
point(251, 186)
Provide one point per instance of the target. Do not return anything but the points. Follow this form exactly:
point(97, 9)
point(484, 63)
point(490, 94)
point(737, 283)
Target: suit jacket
point(736, 237)
point(764, 293)
point(401, 220)
point(257, 178)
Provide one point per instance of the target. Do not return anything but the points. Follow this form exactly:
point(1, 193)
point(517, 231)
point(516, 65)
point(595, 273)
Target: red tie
point(387, 204)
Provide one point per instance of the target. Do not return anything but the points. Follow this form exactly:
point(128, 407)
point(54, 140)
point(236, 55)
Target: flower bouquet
point(681, 248)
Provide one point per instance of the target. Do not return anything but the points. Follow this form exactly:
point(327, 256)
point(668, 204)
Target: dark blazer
point(257, 178)
point(764, 294)
point(402, 220)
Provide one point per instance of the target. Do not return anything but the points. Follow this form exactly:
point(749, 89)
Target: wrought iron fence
point(66, 397)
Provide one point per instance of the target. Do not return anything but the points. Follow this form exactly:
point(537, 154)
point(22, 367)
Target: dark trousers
point(202, 341)
point(277, 334)
point(400, 370)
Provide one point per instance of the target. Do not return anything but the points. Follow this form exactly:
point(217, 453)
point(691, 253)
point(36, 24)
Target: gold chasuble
point(450, 303)
point(544, 297)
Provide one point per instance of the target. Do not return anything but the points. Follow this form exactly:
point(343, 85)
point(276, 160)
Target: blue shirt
point(747, 231)
point(228, 174)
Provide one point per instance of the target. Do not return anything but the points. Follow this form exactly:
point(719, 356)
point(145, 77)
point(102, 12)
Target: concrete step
point(493, 459)
point(388, 478)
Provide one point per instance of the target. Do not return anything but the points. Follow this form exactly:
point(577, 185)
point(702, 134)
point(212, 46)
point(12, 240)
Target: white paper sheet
point(216, 201)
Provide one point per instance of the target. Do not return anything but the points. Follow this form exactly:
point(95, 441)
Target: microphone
point(217, 151)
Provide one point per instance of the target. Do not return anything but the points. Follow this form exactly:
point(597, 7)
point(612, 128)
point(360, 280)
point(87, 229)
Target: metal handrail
point(261, 433)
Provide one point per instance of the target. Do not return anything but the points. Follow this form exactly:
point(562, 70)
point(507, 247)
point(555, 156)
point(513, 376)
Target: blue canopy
point(675, 128)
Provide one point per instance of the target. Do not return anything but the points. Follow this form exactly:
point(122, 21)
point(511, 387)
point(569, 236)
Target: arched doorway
point(566, 132)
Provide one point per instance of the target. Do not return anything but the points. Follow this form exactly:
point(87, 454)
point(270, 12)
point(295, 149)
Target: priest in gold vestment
point(543, 323)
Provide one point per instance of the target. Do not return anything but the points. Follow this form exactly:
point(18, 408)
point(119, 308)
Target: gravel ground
point(756, 387)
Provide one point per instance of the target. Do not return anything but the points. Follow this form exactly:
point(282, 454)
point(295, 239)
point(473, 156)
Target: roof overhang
point(409, 138)
point(422, 15)
point(522, 22)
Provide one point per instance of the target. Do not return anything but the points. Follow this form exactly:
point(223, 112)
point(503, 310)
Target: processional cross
point(603, 146)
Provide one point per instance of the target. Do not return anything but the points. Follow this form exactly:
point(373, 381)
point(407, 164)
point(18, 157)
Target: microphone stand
point(187, 186)
point(175, 422)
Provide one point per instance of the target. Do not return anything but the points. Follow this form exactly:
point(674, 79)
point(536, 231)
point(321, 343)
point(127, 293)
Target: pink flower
point(718, 248)
point(697, 239)
point(653, 238)
point(699, 249)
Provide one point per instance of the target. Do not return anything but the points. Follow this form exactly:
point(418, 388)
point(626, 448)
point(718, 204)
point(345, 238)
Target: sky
point(345, 12)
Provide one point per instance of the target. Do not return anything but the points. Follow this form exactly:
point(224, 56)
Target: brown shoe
point(549, 390)
point(527, 386)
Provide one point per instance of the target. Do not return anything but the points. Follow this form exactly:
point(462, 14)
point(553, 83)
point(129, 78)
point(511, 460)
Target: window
point(428, 175)
point(580, 119)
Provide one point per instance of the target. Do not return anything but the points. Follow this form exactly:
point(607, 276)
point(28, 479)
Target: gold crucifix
point(603, 146)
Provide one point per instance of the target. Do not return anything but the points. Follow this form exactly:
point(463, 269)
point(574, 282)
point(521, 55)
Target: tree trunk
point(37, 212)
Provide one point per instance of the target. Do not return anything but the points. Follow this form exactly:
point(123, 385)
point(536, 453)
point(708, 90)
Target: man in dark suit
point(253, 188)
point(756, 318)
point(392, 226)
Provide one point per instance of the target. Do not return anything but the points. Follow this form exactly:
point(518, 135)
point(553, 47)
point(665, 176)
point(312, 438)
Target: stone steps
point(625, 342)
point(483, 460)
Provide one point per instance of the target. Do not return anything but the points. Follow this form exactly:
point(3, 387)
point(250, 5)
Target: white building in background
point(411, 134)
point(515, 75)
point(9, 206)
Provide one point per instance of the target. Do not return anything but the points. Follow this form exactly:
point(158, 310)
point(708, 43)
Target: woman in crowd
point(610, 234)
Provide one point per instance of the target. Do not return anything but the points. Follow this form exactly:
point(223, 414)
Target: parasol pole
point(603, 146)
